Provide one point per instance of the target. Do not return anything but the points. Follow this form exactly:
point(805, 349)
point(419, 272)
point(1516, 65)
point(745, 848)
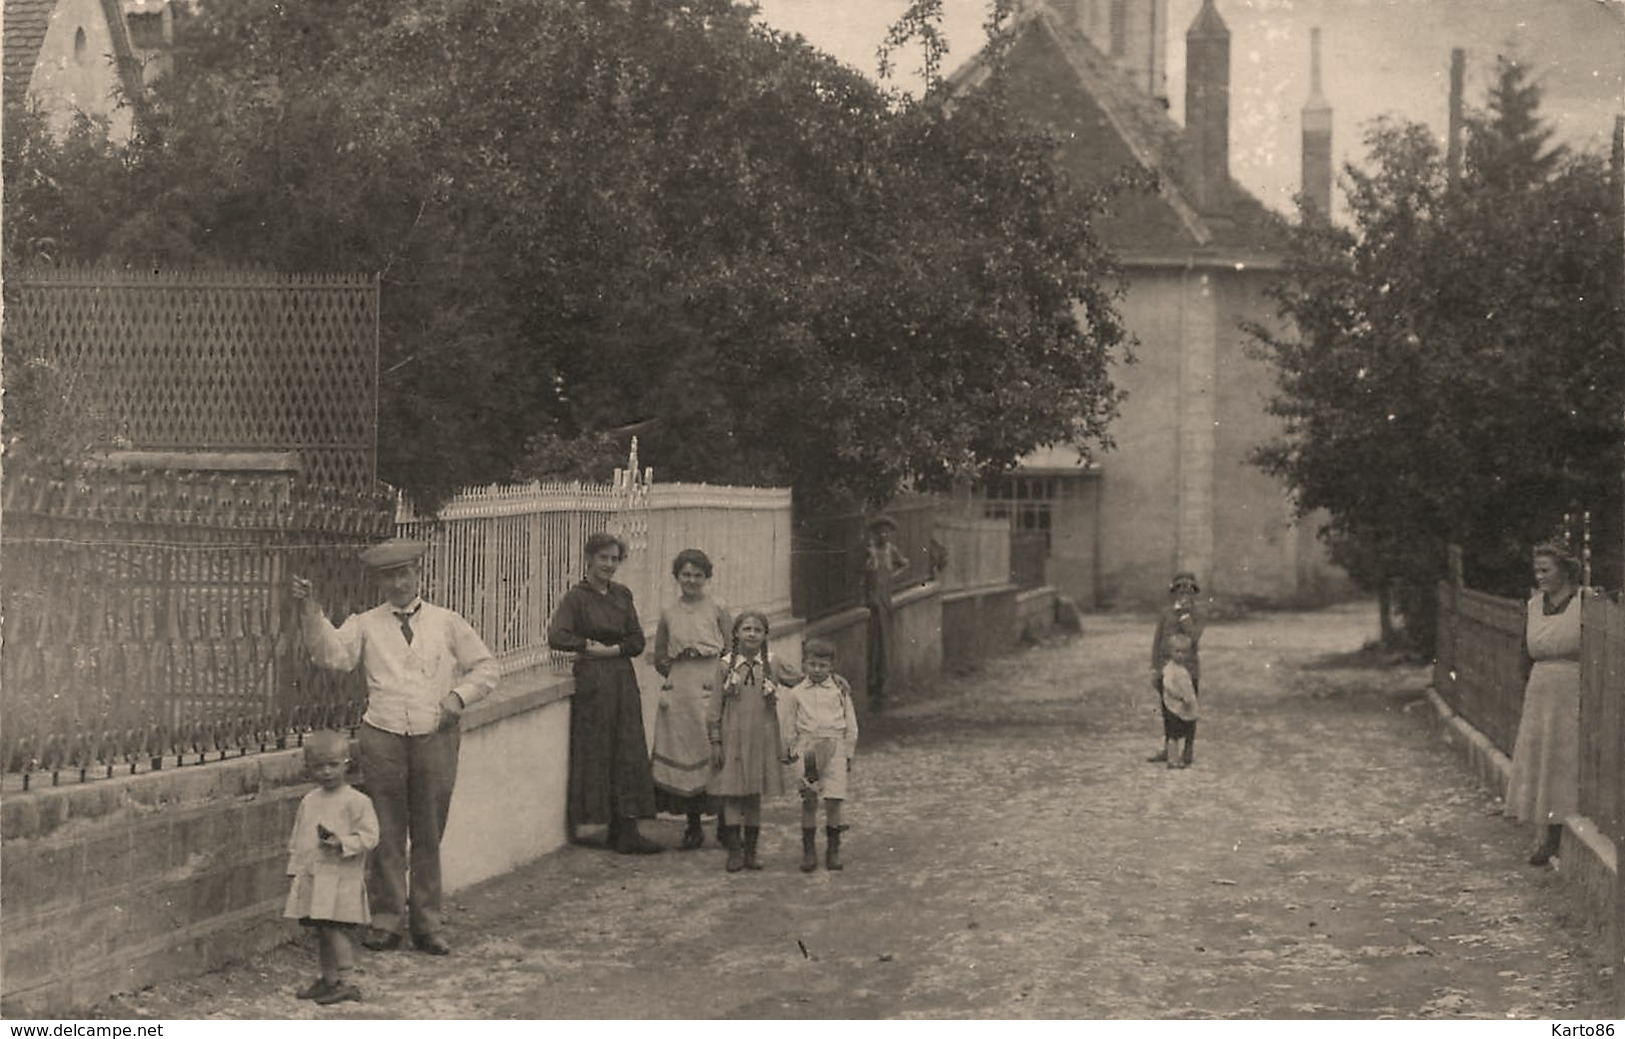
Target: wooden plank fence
point(1478, 667)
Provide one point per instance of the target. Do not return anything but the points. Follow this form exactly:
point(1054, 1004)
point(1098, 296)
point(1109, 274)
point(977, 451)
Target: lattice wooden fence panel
point(218, 360)
point(147, 621)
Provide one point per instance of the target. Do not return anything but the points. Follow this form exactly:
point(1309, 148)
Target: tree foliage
point(595, 217)
point(1457, 372)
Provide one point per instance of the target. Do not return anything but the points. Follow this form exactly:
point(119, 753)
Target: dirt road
point(1012, 855)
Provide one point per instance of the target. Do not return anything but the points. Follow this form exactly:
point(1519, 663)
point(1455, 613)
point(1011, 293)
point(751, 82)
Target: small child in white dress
point(822, 731)
point(327, 858)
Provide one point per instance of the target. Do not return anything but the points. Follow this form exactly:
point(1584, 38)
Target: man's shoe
point(315, 989)
point(342, 992)
point(383, 941)
point(432, 944)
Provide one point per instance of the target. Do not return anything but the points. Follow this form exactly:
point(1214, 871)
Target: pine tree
point(1508, 144)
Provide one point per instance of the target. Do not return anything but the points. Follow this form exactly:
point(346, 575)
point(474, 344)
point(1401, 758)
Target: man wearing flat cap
point(424, 665)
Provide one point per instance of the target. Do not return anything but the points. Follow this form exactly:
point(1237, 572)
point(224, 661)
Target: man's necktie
point(406, 623)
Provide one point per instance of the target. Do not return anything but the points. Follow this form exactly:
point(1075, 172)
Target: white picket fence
point(503, 556)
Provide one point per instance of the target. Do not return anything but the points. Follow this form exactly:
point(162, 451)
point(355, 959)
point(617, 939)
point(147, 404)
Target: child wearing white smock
point(333, 831)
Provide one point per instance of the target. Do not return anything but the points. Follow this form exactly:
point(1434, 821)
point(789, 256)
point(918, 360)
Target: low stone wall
point(917, 655)
point(1035, 613)
point(1587, 859)
point(977, 623)
point(115, 884)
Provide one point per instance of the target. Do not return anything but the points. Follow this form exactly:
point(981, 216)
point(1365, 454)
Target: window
point(1026, 501)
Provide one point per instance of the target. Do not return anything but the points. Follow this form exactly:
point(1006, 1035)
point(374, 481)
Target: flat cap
point(396, 552)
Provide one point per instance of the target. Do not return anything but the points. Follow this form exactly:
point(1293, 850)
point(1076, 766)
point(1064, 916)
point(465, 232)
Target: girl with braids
point(742, 722)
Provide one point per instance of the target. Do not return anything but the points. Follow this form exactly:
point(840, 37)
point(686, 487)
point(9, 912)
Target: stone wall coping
point(1026, 595)
point(962, 594)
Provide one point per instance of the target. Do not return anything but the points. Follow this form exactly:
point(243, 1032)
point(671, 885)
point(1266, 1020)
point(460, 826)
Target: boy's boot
point(1188, 757)
point(832, 855)
point(751, 835)
point(809, 848)
point(1170, 752)
point(736, 851)
point(693, 834)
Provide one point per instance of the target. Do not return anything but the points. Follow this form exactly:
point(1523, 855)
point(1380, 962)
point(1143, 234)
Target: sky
point(1378, 57)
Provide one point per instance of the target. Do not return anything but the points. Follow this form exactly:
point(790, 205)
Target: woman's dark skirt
point(609, 756)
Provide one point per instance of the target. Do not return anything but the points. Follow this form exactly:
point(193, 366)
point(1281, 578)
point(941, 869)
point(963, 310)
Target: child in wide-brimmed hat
point(1180, 617)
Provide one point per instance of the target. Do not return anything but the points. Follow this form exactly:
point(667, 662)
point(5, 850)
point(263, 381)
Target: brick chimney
point(1207, 111)
point(1317, 143)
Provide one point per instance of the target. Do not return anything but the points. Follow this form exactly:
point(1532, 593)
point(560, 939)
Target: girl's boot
point(693, 834)
point(736, 851)
point(809, 848)
point(1188, 757)
point(751, 835)
point(832, 855)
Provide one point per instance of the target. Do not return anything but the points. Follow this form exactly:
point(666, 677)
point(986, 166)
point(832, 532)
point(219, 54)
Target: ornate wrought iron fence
point(147, 620)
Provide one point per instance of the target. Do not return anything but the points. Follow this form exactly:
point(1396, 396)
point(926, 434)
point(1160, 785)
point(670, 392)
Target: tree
point(594, 218)
point(1508, 147)
point(1457, 372)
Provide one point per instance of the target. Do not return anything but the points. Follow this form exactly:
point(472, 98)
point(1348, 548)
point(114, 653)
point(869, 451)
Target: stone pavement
point(1012, 855)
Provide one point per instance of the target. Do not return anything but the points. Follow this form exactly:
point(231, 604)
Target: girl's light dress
point(744, 713)
point(330, 884)
point(1544, 787)
point(688, 642)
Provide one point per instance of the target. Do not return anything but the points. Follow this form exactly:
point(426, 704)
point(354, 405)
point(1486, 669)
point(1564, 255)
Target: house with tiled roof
point(1199, 252)
point(71, 56)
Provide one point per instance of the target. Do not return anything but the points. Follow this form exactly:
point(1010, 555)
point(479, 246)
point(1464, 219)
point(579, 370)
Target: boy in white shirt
point(821, 731)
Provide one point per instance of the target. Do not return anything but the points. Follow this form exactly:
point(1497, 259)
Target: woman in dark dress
point(610, 780)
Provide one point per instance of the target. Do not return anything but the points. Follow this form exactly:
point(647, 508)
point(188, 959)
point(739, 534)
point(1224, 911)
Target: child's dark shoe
point(341, 992)
point(809, 848)
point(315, 989)
point(752, 834)
point(736, 849)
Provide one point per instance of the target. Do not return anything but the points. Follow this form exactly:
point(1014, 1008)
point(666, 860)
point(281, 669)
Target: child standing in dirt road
point(1180, 617)
point(327, 860)
point(822, 731)
point(747, 752)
